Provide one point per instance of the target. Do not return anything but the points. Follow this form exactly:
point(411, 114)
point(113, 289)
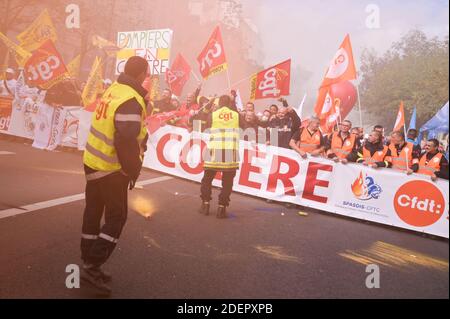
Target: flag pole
point(242, 80)
point(228, 79)
point(406, 150)
point(300, 108)
point(195, 76)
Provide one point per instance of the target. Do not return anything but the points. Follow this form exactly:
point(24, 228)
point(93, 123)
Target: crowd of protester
point(278, 125)
point(345, 144)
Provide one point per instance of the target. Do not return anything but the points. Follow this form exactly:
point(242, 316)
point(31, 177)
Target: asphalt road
point(168, 250)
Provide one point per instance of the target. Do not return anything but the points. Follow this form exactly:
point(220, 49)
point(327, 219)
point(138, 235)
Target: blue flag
point(437, 124)
point(412, 123)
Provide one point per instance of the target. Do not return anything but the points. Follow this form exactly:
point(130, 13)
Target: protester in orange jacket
point(308, 140)
point(342, 145)
point(402, 155)
point(432, 162)
point(373, 152)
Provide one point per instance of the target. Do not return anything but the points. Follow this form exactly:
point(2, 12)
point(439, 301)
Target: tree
point(414, 69)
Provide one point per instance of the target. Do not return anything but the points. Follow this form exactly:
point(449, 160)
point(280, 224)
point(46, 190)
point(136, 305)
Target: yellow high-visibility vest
point(223, 143)
point(100, 153)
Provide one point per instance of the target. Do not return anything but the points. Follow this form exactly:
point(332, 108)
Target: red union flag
point(400, 120)
point(178, 75)
point(45, 67)
point(272, 82)
point(155, 122)
point(342, 66)
point(329, 111)
point(212, 59)
point(326, 106)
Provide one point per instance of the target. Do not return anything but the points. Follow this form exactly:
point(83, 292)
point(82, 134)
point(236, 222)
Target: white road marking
point(64, 200)
point(6, 153)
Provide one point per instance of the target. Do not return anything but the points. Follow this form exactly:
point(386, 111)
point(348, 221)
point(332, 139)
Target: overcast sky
point(310, 31)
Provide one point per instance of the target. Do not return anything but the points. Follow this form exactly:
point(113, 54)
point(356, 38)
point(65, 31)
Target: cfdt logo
point(419, 203)
point(365, 188)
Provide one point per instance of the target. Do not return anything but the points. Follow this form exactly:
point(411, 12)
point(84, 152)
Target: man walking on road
point(112, 164)
point(223, 154)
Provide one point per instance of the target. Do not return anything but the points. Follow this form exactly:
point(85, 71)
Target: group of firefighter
point(117, 142)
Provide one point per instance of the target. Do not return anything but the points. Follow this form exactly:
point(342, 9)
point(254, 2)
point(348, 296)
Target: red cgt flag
point(212, 59)
point(178, 75)
point(272, 82)
point(155, 122)
point(45, 67)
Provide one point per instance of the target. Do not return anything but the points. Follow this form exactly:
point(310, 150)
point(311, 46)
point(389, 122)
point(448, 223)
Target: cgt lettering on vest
point(226, 116)
point(263, 170)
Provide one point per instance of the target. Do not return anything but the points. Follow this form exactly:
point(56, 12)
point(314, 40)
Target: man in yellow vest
point(222, 155)
point(433, 163)
point(112, 163)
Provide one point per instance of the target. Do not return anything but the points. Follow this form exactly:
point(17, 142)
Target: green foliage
point(415, 70)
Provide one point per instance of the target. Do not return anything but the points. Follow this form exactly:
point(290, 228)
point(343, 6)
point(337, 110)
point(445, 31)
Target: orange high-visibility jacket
point(430, 167)
point(378, 156)
point(308, 142)
point(342, 149)
point(399, 161)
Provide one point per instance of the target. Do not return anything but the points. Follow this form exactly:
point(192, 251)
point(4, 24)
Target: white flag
point(299, 110)
point(239, 103)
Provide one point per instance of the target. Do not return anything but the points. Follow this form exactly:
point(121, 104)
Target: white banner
point(383, 196)
point(153, 45)
point(23, 118)
point(83, 128)
point(49, 127)
point(68, 126)
point(69, 136)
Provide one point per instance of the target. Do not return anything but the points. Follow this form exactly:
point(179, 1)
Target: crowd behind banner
point(345, 144)
point(54, 117)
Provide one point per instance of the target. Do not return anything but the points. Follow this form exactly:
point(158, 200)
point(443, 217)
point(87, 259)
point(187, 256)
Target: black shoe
point(204, 209)
point(94, 277)
point(221, 212)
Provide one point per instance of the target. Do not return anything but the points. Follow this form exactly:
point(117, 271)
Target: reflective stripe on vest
point(378, 156)
point(223, 143)
point(431, 166)
point(308, 142)
point(399, 160)
point(100, 153)
point(342, 150)
point(97, 175)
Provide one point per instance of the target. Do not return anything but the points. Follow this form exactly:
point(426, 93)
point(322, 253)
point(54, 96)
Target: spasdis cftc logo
point(419, 203)
point(365, 187)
